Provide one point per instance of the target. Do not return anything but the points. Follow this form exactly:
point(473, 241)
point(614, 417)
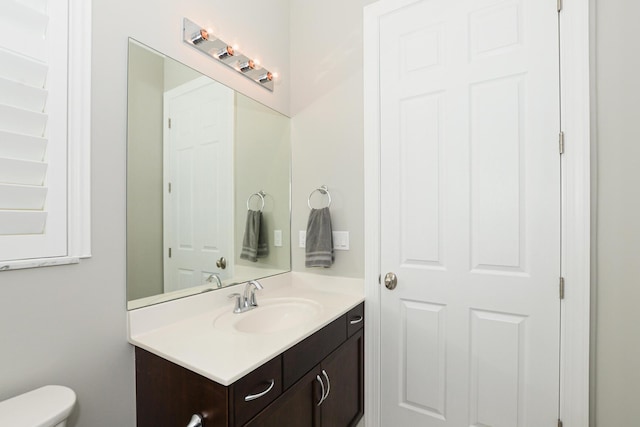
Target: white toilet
point(48, 406)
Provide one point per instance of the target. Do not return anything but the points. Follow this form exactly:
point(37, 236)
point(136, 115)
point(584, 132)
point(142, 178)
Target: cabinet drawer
point(355, 319)
point(256, 390)
point(299, 359)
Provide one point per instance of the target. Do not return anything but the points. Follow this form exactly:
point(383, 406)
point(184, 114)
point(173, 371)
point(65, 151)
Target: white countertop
point(183, 331)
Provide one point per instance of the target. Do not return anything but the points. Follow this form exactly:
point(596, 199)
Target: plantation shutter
point(33, 128)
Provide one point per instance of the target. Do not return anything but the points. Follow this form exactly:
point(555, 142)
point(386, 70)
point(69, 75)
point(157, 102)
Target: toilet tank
point(47, 406)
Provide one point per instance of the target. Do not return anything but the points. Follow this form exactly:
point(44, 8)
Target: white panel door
point(470, 213)
point(198, 225)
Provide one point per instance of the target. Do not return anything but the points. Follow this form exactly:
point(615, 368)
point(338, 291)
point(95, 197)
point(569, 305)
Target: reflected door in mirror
point(198, 153)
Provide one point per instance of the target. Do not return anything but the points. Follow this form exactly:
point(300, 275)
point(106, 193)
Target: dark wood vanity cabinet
point(318, 382)
point(302, 405)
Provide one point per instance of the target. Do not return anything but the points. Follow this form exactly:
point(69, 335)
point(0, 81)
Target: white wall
point(150, 75)
point(327, 122)
point(616, 379)
point(144, 165)
point(262, 157)
point(66, 324)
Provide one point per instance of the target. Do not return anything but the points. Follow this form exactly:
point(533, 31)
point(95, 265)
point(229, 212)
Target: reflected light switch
point(341, 240)
point(277, 238)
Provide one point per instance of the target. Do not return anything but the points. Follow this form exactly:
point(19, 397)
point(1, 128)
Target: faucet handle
point(238, 297)
point(253, 302)
point(250, 300)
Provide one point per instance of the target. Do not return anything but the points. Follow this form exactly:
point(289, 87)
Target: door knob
point(221, 263)
point(390, 281)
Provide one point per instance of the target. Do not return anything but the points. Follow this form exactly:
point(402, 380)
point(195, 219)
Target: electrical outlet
point(277, 238)
point(302, 238)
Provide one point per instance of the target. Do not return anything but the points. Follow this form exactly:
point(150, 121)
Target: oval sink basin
point(272, 315)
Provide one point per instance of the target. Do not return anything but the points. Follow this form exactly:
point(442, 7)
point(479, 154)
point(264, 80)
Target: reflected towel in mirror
point(254, 243)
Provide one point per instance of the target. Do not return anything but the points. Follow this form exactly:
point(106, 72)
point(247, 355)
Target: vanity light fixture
point(212, 46)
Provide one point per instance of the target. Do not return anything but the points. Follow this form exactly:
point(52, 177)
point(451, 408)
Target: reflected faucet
point(216, 277)
point(247, 301)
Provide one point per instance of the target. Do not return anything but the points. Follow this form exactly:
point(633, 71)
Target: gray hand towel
point(254, 243)
point(319, 243)
point(263, 244)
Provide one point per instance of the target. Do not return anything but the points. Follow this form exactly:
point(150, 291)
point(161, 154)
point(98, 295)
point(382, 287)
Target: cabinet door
point(168, 394)
point(296, 407)
point(344, 405)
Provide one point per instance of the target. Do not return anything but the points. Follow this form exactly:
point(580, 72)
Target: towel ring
point(323, 190)
point(260, 194)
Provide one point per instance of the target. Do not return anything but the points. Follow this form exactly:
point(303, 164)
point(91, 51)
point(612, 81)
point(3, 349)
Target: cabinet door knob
point(321, 385)
point(196, 421)
point(251, 397)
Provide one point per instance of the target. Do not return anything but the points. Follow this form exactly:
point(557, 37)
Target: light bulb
point(225, 52)
point(201, 37)
point(247, 65)
point(267, 77)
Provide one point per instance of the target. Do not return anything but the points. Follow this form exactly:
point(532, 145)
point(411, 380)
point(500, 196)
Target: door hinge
point(562, 288)
point(560, 424)
point(169, 187)
point(559, 5)
point(169, 122)
point(561, 142)
point(169, 252)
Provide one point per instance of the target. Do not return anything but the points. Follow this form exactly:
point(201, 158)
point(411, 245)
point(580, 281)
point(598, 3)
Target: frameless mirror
point(202, 159)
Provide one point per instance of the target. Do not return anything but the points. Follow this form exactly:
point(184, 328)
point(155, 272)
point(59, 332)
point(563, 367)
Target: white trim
point(574, 381)
point(576, 206)
point(371, 83)
point(79, 131)
point(40, 262)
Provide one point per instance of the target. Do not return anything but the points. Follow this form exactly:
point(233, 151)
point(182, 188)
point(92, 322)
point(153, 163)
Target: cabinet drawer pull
point(251, 397)
point(321, 385)
point(355, 320)
point(328, 384)
point(196, 421)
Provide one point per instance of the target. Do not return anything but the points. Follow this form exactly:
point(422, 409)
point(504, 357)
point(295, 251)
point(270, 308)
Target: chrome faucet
point(247, 301)
point(216, 277)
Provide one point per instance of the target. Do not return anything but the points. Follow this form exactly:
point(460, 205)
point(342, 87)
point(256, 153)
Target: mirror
point(202, 159)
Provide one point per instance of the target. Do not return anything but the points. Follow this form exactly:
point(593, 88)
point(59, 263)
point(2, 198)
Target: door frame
point(576, 68)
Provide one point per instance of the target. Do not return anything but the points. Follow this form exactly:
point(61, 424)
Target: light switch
point(302, 238)
point(341, 240)
point(277, 238)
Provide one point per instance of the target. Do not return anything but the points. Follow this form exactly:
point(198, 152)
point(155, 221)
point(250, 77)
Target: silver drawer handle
point(196, 421)
point(356, 320)
point(262, 393)
point(328, 383)
point(321, 385)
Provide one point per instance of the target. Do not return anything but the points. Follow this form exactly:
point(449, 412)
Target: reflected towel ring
point(260, 194)
point(323, 190)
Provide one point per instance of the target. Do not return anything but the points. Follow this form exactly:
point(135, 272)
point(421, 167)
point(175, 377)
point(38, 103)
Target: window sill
point(38, 262)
